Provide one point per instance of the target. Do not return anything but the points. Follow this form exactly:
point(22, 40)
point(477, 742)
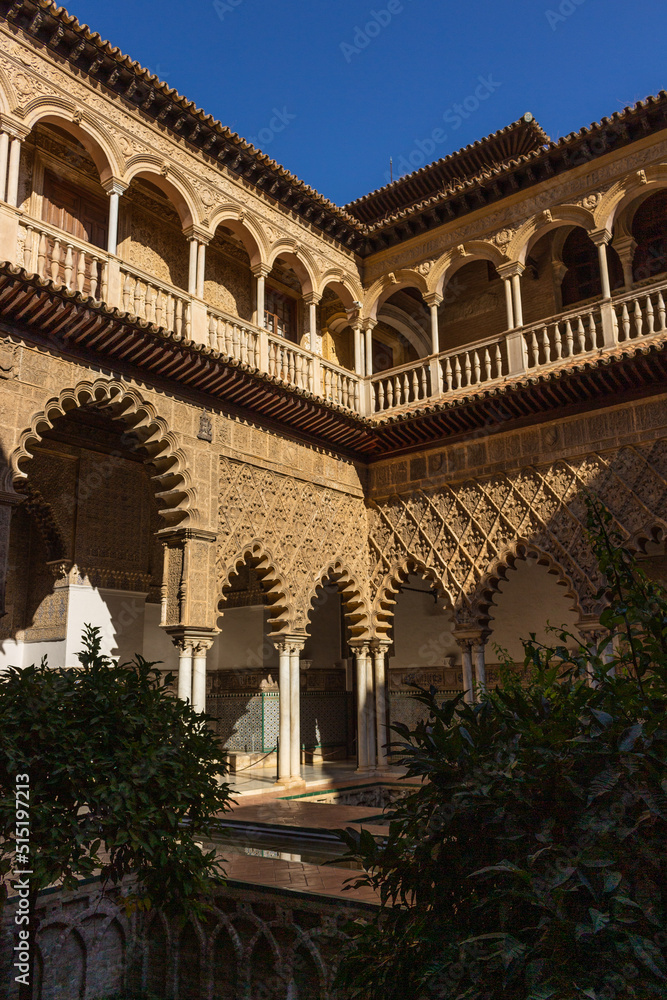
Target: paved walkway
point(296, 876)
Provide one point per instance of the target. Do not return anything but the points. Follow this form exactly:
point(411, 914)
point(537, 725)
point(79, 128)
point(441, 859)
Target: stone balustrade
point(576, 333)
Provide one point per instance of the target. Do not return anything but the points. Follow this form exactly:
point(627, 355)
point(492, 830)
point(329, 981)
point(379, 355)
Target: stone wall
point(256, 943)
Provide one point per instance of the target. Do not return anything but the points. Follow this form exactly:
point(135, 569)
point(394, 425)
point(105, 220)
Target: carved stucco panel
point(304, 527)
point(461, 533)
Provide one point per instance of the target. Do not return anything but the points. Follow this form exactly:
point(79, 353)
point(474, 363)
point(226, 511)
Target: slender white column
point(315, 345)
point(518, 306)
point(369, 350)
point(200, 650)
point(114, 204)
point(185, 671)
point(358, 355)
point(604, 269)
point(466, 661)
point(261, 298)
point(4, 159)
point(201, 270)
point(371, 718)
point(284, 708)
point(435, 336)
point(295, 710)
point(479, 652)
point(507, 282)
point(361, 653)
point(382, 732)
point(192, 270)
point(14, 167)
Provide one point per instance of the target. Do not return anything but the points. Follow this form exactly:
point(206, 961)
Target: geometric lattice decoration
point(250, 722)
point(465, 536)
point(296, 533)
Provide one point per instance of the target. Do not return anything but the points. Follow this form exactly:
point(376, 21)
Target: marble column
point(361, 657)
point(518, 305)
point(465, 645)
point(479, 656)
point(381, 721)
point(200, 649)
point(509, 306)
point(114, 189)
point(295, 710)
point(284, 759)
point(14, 170)
point(601, 238)
point(201, 269)
point(369, 346)
point(192, 267)
point(261, 299)
point(185, 669)
point(358, 351)
point(4, 160)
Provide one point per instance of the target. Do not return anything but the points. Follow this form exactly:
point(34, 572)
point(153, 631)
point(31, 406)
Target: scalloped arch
point(108, 158)
point(356, 607)
point(521, 549)
point(263, 563)
point(391, 584)
point(155, 441)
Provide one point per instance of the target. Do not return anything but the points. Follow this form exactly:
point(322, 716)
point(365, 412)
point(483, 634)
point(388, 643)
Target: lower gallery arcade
point(296, 594)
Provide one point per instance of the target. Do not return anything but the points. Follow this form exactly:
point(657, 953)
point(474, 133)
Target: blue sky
point(333, 88)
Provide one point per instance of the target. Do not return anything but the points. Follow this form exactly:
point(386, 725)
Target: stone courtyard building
point(301, 454)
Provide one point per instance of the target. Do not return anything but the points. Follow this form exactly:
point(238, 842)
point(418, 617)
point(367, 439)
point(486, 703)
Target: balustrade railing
point(340, 386)
point(64, 259)
point(404, 385)
point(289, 363)
point(233, 337)
point(466, 367)
point(639, 314)
point(151, 300)
point(565, 336)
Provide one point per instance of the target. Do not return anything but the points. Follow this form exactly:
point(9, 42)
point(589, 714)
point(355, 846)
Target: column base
point(291, 782)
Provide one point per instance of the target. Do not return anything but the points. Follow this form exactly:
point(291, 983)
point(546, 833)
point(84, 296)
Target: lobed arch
point(388, 285)
point(655, 532)
point(452, 261)
point(621, 194)
point(482, 599)
point(148, 431)
point(355, 607)
point(545, 222)
point(246, 227)
point(299, 259)
point(171, 182)
point(83, 126)
point(391, 584)
point(260, 558)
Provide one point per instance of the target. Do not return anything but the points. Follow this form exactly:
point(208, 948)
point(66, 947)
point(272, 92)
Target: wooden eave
point(77, 326)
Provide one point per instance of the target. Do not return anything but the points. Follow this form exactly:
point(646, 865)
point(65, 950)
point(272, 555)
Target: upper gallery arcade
point(229, 404)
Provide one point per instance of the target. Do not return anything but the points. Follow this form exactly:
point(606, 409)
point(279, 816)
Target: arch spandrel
point(621, 194)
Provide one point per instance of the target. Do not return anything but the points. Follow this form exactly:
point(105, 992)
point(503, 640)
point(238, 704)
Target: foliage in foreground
point(123, 776)
point(531, 864)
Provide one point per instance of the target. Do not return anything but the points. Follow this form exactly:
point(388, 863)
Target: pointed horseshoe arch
point(383, 612)
point(146, 431)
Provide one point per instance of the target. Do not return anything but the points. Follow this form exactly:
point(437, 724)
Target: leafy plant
point(530, 863)
point(123, 778)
